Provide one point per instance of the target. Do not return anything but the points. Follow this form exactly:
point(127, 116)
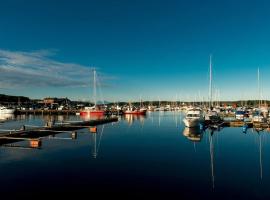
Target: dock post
point(74, 135)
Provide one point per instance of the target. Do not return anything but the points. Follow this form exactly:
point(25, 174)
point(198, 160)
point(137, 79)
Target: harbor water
point(152, 156)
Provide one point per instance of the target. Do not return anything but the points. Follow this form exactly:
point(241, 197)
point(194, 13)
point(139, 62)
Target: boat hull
point(190, 123)
point(91, 112)
point(7, 111)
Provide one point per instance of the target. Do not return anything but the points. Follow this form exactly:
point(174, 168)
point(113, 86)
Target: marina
point(135, 99)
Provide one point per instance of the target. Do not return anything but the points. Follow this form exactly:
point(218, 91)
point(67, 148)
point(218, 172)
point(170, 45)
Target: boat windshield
point(193, 115)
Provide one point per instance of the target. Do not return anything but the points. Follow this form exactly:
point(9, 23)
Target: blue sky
point(154, 49)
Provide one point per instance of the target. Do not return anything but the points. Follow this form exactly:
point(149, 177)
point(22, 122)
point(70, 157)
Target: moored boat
point(91, 111)
point(194, 118)
point(135, 111)
point(95, 110)
point(6, 110)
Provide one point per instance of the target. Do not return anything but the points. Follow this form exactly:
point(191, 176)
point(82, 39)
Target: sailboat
point(258, 115)
point(94, 110)
point(211, 115)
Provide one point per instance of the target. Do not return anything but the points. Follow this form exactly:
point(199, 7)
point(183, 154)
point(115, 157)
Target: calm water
point(139, 157)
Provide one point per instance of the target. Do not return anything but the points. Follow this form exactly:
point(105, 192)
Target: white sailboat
point(257, 116)
point(94, 110)
point(211, 114)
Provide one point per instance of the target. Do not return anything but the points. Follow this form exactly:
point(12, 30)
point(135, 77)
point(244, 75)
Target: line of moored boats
point(197, 116)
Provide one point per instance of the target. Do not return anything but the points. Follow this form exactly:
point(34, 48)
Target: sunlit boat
point(194, 118)
point(135, 111)
point(258, 118)
point(95, 110)
point(87, 111)
point(6, 110)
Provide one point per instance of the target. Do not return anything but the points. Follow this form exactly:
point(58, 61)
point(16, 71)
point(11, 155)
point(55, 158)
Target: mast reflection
point(94, 145)
point(260, 134)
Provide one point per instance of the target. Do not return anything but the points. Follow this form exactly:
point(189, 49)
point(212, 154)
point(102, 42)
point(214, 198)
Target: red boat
point(94, 111)
point(91, 112)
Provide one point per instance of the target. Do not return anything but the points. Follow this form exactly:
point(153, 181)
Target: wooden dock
point(47, 112)
point(50, 129)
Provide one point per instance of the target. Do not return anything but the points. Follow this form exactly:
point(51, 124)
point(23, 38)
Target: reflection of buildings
point(193, 134)
point(130, 118)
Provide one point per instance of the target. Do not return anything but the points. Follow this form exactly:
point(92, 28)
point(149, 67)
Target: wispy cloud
point(39, 69)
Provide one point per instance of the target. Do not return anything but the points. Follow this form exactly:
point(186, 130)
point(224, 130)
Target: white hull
point(7, 111)
point(192, 122)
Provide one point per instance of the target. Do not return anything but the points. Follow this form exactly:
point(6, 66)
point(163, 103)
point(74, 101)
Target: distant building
point(49, 100)
point(54, 100)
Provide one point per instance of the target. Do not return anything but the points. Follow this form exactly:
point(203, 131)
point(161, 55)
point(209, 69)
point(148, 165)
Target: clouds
point(37, 68)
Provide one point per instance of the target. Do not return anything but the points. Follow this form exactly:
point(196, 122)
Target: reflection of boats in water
point(211, 150)
point(5, 117)
point(260, 133)
point(193, 134)
point(130, 118)
point(95, 146)
point(92, 116)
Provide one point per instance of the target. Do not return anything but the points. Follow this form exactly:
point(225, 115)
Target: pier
point(47, 112)
point(36, 133)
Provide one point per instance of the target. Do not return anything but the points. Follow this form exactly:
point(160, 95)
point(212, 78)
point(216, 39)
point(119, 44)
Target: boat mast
point(259, 93)
point(210, 82)
point(94, 89)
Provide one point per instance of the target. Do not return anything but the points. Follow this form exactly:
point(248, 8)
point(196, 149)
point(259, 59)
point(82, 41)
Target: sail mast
point(210, 83)
point(94, 88)
point(259, 93)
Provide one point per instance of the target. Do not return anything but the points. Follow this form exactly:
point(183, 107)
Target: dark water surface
point(139, 157)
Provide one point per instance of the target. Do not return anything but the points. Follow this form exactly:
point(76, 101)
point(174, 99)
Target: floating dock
point(47, 112)
point(36, 133)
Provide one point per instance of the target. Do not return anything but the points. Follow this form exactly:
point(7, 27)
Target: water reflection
point(235, 153)
point(91, 116)
point(193, 134)
point(196, 135)
point(95, 145)
point(6, 117)
point(260, 132)
point(130, 118)
point(211, 150)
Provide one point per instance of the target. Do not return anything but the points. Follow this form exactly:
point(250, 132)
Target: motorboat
point(6, 110)
point(194, 118)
